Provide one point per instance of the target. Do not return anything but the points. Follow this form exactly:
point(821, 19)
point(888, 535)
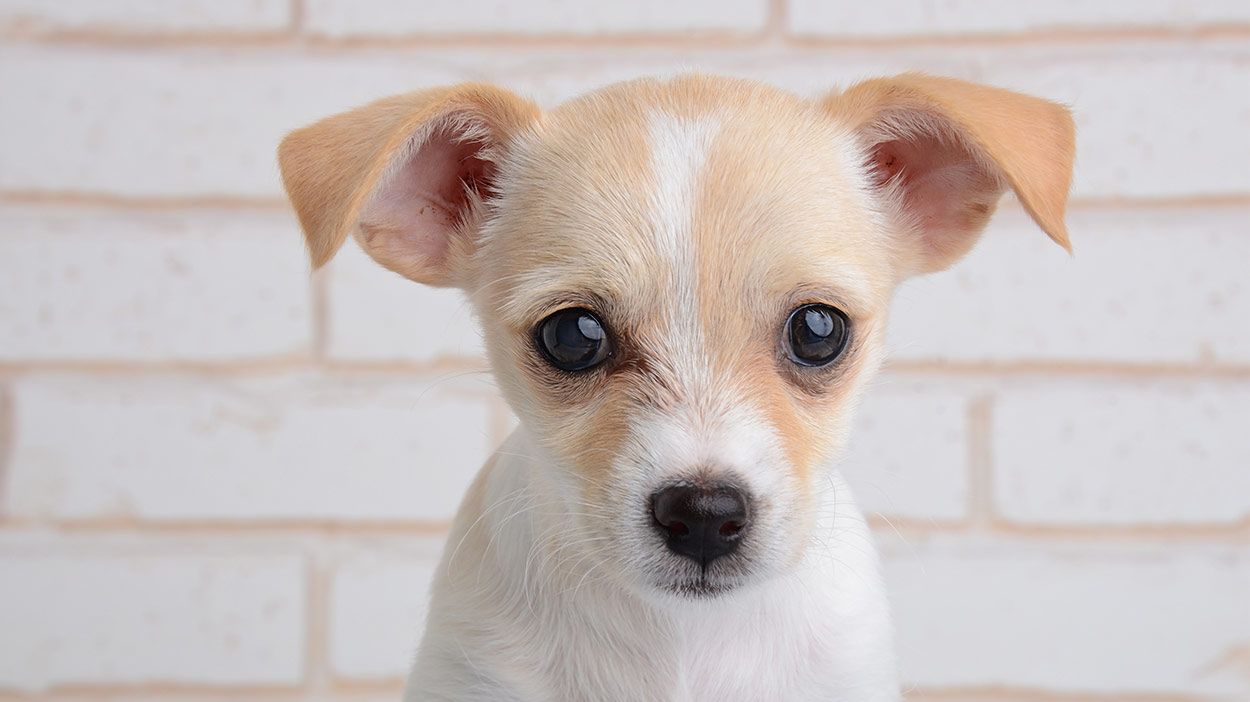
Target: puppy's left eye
point(817, 334)
point(573, 339)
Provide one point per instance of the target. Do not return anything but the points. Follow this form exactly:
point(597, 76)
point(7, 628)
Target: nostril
point(730, 529)
point(676, 528)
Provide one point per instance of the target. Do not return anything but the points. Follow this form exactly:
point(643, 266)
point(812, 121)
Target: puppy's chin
point(702, 587)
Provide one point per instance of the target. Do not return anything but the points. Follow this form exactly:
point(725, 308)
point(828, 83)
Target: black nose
point(700, 523)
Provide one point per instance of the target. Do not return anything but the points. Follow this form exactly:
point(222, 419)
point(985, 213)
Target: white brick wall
point(341, 18)
point(98, 612)
point(91, 284)
point(201, 121)
point(377, 608)
point(372, 317)
point(140, 17)
point(1120, 453)
point(279, 448)
point(893, 18)
point(1109, 619)
point(1164, 285)
point(923, 472)
point(222, 477)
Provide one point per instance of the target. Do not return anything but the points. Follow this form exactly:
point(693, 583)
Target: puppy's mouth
point(702, 586)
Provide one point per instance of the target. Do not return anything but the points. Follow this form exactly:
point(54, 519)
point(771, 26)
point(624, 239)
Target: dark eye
point(573, 339)
point(817, 334)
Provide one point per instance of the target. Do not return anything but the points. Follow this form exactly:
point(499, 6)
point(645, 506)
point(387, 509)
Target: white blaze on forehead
point(679, 148)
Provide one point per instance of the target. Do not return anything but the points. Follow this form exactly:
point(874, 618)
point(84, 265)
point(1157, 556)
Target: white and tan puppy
point(683, 288)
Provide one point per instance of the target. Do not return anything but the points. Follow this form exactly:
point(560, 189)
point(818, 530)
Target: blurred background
point(221, 477)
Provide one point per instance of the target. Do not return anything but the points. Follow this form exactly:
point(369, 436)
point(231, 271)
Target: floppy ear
point(406, 173)
point(942, 151)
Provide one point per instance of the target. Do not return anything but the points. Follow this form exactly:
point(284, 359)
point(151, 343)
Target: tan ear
point(943, 151)
point(406, 173)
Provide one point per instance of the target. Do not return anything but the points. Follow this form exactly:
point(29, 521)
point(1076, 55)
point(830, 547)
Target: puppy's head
point(683, 284)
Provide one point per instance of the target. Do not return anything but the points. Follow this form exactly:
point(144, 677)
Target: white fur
point(818, 631)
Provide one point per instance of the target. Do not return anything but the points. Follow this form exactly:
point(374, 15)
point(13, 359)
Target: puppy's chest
point(762, 656)
point(774, 649)
point(712, 661)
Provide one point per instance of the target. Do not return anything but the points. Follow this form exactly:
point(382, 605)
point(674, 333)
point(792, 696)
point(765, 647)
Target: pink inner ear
point(885, 161)
point(941, 189)
point(411, 221)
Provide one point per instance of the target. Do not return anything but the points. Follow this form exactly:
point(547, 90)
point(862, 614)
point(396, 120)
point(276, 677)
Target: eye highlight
point(817, 334)
point(573, 339)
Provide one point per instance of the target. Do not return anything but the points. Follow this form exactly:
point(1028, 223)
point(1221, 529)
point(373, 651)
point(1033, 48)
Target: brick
point(286, 447)
point(377, 610)
point(201, 123)
point(137, 16)
point(1149, 286)
point(205, 122)
point(1123, 150)
point(1121, 453)
point(87, 284)
point(373, 314)
point(1097, 620)
point(965, 17)
point(908, 453)
point(553, 17)
point(1120, 153)
point(88, 612)
point(551, 77)
point(388, 692)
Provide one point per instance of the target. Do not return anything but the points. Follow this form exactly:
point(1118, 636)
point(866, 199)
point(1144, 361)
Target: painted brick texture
point(96, 611)
point(296, 448)
point(224, 476)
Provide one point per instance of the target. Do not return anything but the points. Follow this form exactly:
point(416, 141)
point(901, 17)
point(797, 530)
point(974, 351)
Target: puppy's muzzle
point(701, 523)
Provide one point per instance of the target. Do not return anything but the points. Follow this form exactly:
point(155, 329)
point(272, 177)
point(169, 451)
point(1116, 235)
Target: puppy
point(683, 288)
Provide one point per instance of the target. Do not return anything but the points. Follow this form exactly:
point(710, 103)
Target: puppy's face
point(683, 283)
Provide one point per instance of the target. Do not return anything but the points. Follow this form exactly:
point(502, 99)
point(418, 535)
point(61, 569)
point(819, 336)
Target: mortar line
point(376, 688)
point(241, 369)
point(369, 689)
point(143, 202)
point(8, 439)
point(994, 693)
point(501, 421)
point(710, 38)
point(299, 18)
point(980, 460)
point(775, 23)
point(1107, 370)
point(1231, 532)
point(366, 691)
point(675, 39)
point(123, 690)
point(231, 527)
point(1093, 36)
point(1234, 533)
point(319, 289)
point(317, 652)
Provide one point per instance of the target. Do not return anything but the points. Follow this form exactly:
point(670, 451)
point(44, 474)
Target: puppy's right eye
point(818, 334)
point(573, 339)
